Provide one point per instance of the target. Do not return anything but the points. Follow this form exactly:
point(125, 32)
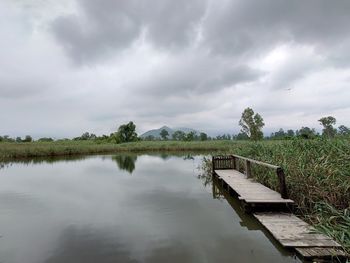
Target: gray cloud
point(196, 74)
point(250, 27)
point(181, 63)
point(106, 26)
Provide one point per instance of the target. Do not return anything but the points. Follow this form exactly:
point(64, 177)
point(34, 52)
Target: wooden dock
point(274, 210)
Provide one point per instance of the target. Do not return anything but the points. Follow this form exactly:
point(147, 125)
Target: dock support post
point(213, 166)
point(282, 183)
point(248, 169)
point(235, 163)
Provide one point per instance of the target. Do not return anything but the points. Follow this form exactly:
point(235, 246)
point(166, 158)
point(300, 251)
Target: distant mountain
point(156, 132)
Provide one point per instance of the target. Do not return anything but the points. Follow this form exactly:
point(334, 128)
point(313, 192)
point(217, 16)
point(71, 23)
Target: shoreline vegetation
point(317, 170)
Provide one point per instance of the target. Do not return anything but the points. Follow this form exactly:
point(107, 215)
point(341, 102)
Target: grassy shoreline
point(12, 151)
point(317, 171)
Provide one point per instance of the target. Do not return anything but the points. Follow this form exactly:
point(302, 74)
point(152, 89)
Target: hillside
point(156, 132)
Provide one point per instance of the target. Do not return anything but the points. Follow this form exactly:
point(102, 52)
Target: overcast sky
point(71, 66)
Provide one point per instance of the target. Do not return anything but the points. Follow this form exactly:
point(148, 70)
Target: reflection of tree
point(39, 160)
point(125, 162)
point(188, 157)
point(164, 156)
point(205, 174)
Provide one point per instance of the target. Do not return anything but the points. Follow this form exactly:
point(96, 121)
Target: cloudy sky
point(71, 66)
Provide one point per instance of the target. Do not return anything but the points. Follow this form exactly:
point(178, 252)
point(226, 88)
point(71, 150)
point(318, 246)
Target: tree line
point(251, 129)
point(252, 124)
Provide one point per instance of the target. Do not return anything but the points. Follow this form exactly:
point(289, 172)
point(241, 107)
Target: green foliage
point(164, 134)
point(251, 124)
point(203, 136)
point(306, 133)
point(335, 223)
point(125, 133)
point(191, 136)
point(28, 138)
point(328, 130)
point(86, 136)
point(290, 133)
point(179, 136)
point(224, 137)
point(150, 138)
point(45, 139)
point(241, 136)
point(281, 134)
point(343, 130)
point(6, 138)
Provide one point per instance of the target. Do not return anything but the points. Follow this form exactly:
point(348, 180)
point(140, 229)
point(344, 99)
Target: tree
point(190, 136)
point(125, 133)
point(290, 133)
point(164, 134)
point(223, 137)
point(179, 136)
point(18, 139)
point(85, 136)
point(203, 136)
point(45, 139)
point(280, 134)
point(328, 129)
point(306, 133)
point(343, 130)
point(6, 138)
point(252, 124)
point(241, 136)
point(28, 138)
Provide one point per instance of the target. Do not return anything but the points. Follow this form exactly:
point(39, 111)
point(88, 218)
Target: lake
point(124, 208)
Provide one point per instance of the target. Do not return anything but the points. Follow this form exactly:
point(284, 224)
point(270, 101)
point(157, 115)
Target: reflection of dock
point(273, 209)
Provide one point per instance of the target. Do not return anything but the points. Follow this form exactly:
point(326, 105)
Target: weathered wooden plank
point(257, 193)
point(291, 231)
point(288, 229)
point(249, 190)
point(274, 216)
point(308, 243)
point(323, 252)
point(269, 201)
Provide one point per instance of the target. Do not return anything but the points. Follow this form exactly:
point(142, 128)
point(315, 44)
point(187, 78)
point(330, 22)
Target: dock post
point(235, 163)
point(282, 182)
point(213, 166)
point(248, 169)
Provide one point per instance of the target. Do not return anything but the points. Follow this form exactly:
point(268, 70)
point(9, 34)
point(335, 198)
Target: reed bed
point(317, 177)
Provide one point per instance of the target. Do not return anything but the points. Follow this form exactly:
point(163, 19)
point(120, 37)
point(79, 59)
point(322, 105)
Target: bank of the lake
point(11, 151)
point(317, 171)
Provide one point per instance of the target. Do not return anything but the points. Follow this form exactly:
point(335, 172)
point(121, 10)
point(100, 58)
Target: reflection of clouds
point(12, 202)
point(89, 246)
point(91, 213)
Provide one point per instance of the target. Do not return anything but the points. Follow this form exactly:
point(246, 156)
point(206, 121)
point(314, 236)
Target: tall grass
point(317, 177)
point(11, 151)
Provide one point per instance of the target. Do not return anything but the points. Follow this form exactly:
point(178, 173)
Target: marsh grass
point(317, 175)
point(12, 151)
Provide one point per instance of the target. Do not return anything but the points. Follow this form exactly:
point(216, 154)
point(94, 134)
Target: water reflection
point(125, 162)
point(83, 211)
point(246, 220)
point(87, 245)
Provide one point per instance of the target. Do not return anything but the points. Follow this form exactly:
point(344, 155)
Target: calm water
point(123, 209)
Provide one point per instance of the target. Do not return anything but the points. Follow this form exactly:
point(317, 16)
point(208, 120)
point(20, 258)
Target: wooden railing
point(232, 162)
